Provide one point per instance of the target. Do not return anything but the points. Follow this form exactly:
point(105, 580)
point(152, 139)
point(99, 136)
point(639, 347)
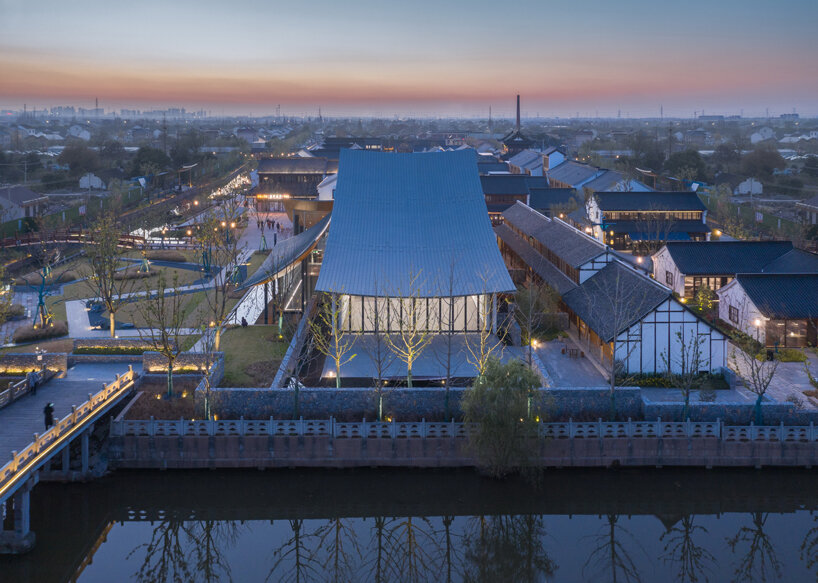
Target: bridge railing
point(42, 443)
point(13, 392)
point(426, 429)
point(65, 236)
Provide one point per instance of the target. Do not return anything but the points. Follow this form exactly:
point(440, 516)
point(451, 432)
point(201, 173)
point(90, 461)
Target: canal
point(396, 525)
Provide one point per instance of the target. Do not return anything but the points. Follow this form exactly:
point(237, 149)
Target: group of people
point(270, 224)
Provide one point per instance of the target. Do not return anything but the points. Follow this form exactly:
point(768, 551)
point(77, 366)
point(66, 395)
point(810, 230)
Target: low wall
point(81, 344)
point(186, 362)
point(103, 358)
point(20, 363)
point(403, 403)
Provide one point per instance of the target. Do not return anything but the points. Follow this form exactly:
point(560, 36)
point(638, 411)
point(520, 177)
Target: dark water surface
point(381, 525)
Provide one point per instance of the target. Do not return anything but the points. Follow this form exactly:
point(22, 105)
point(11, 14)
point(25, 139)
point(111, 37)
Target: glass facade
point(460, 314)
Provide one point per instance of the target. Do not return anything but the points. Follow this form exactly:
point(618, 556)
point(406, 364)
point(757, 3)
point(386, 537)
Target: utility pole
point(164, 134)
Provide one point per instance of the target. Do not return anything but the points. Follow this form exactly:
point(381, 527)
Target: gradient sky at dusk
point(419, 57)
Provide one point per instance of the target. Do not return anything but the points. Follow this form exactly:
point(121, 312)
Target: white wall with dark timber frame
point(642, 345)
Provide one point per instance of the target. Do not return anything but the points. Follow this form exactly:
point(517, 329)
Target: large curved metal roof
point(411, 224)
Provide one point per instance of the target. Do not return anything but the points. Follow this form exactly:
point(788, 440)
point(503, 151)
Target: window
point(669, 278)
point(733, 315)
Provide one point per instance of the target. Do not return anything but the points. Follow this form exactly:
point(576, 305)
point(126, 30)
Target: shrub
point(166, 255)
point(797, 401)
point(30, 334)
point(34, 278)
point(707, 395)
point(16, 311)
point(791, 355)
point(133, 273)
point(137, 350)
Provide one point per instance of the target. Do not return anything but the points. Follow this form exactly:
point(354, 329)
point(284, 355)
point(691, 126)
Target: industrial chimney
point(518, 112)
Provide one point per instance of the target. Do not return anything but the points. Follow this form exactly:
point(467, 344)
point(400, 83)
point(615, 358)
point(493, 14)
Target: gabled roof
point(725, 257)
point(573, 173)
point(545, 198)
point(296, 165)
point(402, 216)
point(526, 158)
point(787, 296)
point(20, 195)
point(812, 202)
point(607, 180)
point(615, 298)
point(572, 246)
point(547, 271)
point(493, 166)
point(520, 184)
point(635, 201)
point(795, 261)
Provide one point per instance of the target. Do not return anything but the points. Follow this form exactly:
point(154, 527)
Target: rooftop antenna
point(164, 133)
point(490, 119)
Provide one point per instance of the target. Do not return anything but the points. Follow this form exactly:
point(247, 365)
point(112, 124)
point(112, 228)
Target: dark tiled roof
point(787, 296)
point(572, 173)
point(486, 167)
point(539, 264)
point(614, 299)
point(545, 198)
point(573, 247)
point(725, 257)
point(296, 166)
point(635, 201)
point(812, 202)
point(795, 261)
point(511, 183)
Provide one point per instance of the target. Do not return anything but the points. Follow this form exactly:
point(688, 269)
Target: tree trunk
point(112, 322)
point(170, 379)
point(295, 404)
point(217, 338)
point(759, 417)
point(409, 376)
point(686, 410)
point(380, 404)
point(446, 402)
point(337, 374)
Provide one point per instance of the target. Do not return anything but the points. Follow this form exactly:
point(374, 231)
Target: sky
point(417, 58)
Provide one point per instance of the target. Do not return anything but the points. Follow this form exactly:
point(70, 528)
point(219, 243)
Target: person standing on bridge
point(48, 413)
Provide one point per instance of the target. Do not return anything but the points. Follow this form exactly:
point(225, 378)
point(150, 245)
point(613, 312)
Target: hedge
point(31, 334)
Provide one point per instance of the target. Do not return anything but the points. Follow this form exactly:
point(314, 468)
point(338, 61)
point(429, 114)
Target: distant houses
point(20, 202)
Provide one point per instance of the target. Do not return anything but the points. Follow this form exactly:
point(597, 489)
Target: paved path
point(790, 379)
point(23, 418)
point(566, 371)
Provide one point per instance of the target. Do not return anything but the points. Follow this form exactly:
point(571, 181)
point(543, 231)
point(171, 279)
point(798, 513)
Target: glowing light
point(639, 260)
point(757, 322)
point(683, 300)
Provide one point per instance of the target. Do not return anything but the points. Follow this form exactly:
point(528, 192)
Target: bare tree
point(655, 226)
point(105, 258)
point(163, 310)
point(412, 336)
point(685, 364)
point(615, 299)
point(220, 242)
point(331, 337)
point(165, 557)
point(749, 359)
point(483, 344)
point(377, 347)
point(341, 543)
point(411, 543)
point(530, 305)
point(451, 313)
point(294, 560)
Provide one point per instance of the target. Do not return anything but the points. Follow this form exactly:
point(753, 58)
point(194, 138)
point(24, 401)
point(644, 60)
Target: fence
point(47, 442)
point(434, 430)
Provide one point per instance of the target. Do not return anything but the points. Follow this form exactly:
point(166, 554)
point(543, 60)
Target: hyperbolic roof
point(411, 224)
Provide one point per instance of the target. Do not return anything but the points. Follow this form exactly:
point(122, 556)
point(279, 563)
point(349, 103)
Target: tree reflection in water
point(507, 548)
point(610, 556)
point(343, 552)
point(294, 560)
point(187, 551)
point(760, 557)
point(410, 542)
point(809, 548)
point(694, 561)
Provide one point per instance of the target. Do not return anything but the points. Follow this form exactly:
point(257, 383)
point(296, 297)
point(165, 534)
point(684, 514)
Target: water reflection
point(434, 526)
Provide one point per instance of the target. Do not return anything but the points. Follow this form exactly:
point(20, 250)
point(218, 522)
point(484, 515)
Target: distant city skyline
point(369, 58)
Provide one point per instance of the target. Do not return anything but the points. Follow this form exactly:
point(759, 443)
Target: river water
point(398, 525)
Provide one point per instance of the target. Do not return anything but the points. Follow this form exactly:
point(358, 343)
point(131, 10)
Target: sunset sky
point(414, 58)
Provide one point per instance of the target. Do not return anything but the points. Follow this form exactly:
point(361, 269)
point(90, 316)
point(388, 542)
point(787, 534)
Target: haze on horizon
point(368, 57)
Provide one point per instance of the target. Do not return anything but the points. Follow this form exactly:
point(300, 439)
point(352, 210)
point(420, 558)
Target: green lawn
point(252, 356)
point(56, 345)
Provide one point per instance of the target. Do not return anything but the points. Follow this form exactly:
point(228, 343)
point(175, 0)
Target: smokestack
point(518, 112)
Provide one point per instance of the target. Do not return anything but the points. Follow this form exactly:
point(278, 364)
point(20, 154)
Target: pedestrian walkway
point(24, 417)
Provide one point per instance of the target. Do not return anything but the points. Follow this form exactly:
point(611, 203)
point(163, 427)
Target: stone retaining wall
point(236, 451)
point(18, 363)
point(186, 362)
point(112, 344)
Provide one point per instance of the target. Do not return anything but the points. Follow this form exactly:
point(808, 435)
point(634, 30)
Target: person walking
point(48, 414)
point(31, 380)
